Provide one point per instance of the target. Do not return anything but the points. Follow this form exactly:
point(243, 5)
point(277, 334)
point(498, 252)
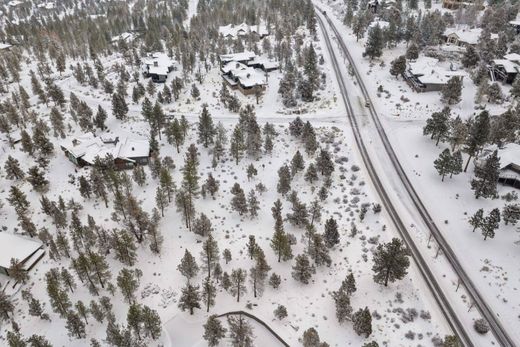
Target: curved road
point(457, 327)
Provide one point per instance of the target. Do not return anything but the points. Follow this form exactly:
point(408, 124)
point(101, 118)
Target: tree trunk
point(467, 163)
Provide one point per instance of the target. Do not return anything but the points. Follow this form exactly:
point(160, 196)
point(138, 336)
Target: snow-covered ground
point(491, 264)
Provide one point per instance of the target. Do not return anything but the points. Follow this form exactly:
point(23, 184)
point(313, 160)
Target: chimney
point(156, 63)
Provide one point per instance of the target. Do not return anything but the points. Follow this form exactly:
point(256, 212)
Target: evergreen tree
point(188, 266)
point(275, 281)
point(452, 91)
point(362, 322)
point(37, 179)
point(75, 325)
point(237, 145)
point(6, 306)
point(213, 331)
point(258, 273)
point(209, 292)
point(128, 282)
point(119, 106)
point(238, 201)
point(207, 130)
point(202, 225)
point(438, 125)
point(491, 223)
point(12, 169)
point(251, 171)
point(391, 262)
point(443, 164)
point(311, 174)
point(456, 164)
point(375, 43)
point(280, 242)
point(284, 180)
point(318, 251)
point(343, 307)
point(477, 220)
point(100, 118)
point(302, 270)
point(311, 338)
point(331, 234)
point(238, 278)
point(280, 312)
point(486, 177)
point(324, 163)
point(210, 254)
point(470, 58)
point(297, 163)
point(398, 66)
point(511, 213)
point(190, 298)
point(240, 331)
point(253, 204)
point(478, 135)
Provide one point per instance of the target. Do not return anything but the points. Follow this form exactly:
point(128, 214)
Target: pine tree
point(237, 145)
point(6, 306)
point(190, 298)
point(253, 204)
point(456, 164)
point(318, 251)
point(75, 325)
point(452, 341)
point(210, 254)
point(128, 282)
point(452, 91)
point(100, 118)
point(284, 180)
point(17, 271)
point(202, 225)
point(362, 322)
point(491, 223)
point(83, 311)
point(349, 284)
point(209, 292)
point(511, 213)
point(37, 179)
point(375, 43)
point(331, 234)
point(311, 174)
point(280, 312)
point(280, 242)
point(240, 331)
point(391, 262)
point(302, 270)
point(238, 278)
point(251, 171)
point(443, 164)
point(486, 177)
point(398, 66)
point(296, 127)
point(324, 163)
point(412, 53)
point(119, 106)
point(207, 130)
point(213, 331)
point(438, 125)
point(477, 220)
point(12, 169)
point(297, 163)
point(275, 281)
point(188, 266)
point(211, 185)
point(238, 201)
point(343, 307)
point(311, 338)
point(470, 58)
point(258, 273)
point(26, 141)
point(18, 200)
point(134, 319)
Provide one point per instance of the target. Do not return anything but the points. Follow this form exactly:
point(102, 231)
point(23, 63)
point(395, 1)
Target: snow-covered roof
point(88, 147)
point(4, 45)
point(17, 247)
point(510, 154)
point(427, 71)
point(246, 75)
point(46, 5)
point(509, 66)
point(381, 23)
point(15, 3)
point(126, 36)
point(512, 57)
point(515, 22)
point(266, 63)
point(242, 56)
point(467, 35)
point(158, 63)
point(235, 31)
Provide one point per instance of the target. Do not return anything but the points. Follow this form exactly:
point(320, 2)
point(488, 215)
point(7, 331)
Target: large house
point(234, 31)
point(505, 69)
point(464, 36)
point(157, 66)
point(26, 251)
point(126, 37)
point(126, 153)
point(246, 72)
point(509, 163)
point(246, 79)
point(425, 75)
point(455, 4)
